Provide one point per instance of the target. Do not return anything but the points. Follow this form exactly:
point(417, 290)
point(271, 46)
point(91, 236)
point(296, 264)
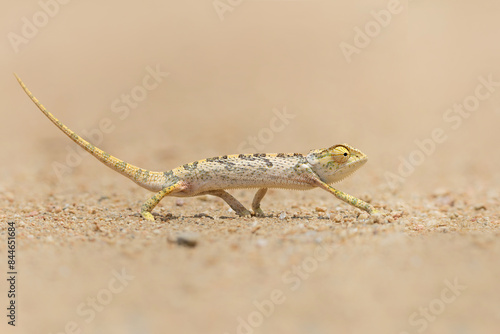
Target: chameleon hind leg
point(150, 204)
point(231, 201)
point(356, 202)
point(259, 195)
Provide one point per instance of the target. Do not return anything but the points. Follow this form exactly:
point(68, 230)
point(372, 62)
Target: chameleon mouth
point(349, 169)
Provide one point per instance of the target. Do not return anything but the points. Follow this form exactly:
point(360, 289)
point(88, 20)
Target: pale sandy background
point(226, 76)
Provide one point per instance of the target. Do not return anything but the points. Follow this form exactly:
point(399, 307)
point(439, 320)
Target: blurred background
point(347, 72)
point(162, 83)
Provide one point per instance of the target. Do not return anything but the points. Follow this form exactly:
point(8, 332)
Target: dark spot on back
point(247, 157)
point(268, 162)
point(191, 166)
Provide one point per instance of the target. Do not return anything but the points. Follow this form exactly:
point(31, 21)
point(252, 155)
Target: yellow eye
point(340, 154)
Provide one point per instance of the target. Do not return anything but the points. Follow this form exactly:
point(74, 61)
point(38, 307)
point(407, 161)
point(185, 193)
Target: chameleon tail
point(147, 179)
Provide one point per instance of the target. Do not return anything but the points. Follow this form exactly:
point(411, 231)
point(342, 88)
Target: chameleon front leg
point(259, 195)
point(360, 204)
point(231, 201)
point(150, 204)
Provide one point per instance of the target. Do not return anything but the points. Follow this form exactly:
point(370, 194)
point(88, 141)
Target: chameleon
point(213, 176)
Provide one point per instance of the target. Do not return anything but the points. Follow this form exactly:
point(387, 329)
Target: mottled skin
point(211, 176)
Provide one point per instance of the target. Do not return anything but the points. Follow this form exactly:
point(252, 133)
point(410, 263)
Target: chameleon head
point(335, 163)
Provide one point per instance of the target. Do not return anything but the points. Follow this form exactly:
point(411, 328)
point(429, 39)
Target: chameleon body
point(212, 176)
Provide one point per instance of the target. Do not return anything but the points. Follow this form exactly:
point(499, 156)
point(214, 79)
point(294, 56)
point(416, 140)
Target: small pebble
point(364, 215)
point(261, 242)
point(187, 239)
point(397, 214)
point(478, 207)
point(256, 228)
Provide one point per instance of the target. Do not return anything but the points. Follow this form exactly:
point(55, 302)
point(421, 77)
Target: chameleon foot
point(244, 213)
point(258, 212)
point(148, 216)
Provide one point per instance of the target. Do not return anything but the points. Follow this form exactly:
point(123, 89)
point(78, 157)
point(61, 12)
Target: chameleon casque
point(212, 176)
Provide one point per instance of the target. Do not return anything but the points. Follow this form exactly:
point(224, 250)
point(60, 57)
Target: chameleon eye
point(340, 154)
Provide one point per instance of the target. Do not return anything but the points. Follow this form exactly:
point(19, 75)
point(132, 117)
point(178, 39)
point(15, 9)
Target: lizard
point(213, 176)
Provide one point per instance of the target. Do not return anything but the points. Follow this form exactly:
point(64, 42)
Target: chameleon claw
point(372, 211)
point(246, 214)
point(258, 212)
point(148, 216)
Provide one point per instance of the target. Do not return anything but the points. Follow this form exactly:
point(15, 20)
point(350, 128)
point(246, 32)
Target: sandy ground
point(419, 94)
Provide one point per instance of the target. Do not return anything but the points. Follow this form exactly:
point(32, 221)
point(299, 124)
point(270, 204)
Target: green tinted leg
point(360, 204)
point(150, 204)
